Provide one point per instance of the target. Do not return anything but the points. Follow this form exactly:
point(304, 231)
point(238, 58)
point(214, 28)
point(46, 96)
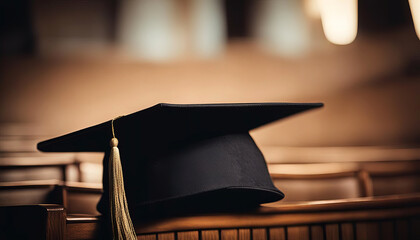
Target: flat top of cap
point(164, 124)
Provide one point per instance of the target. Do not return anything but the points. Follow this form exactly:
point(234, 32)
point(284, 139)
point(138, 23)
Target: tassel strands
point(122, 226)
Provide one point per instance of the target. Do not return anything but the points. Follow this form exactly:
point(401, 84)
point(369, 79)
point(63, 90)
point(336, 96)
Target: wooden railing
point(391, 217)
point(76, 197)
point(321, 181)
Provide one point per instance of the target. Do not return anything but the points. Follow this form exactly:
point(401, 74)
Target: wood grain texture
point(278, 233)
point(166, 236)
point(402, 229)
point(298, 233)
point(56, 223)
point(147, 237)
point(361, 231)
point(367, 231)
point(298, 224)
point(209, 235)
point(188, 235)
point(262, 220)
point(347, 231)
point(244, 234)
point(259, 234)
point(82, 230)
point(317, 232)
point(365, 209)
point(332, 232)
point(387, 230)
point(229, 234)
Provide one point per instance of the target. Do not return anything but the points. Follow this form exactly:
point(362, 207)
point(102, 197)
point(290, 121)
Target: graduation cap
point(180, 157)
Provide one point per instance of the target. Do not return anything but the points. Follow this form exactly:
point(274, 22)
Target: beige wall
point(370, 98)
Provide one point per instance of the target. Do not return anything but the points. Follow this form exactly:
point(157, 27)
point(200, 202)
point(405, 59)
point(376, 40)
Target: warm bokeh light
point(147, 29)
point(281, 27)
point(415, 12)
point(208, 33)
point(311, 8)
point(339, 20)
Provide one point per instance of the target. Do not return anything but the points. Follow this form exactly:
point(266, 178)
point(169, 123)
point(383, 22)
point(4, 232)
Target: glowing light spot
point(339, 20)
point(415, 12)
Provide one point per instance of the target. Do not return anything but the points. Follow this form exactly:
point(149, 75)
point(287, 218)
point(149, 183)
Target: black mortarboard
point(178, 157)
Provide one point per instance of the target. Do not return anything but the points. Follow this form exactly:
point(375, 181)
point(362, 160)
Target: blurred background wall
point(66, 65)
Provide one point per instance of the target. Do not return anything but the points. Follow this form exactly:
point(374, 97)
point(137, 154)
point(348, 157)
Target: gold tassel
point(122, 227)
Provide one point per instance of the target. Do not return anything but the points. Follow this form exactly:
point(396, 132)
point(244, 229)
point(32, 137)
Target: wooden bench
point(30, 192)
point(77, 198)
point(389, 217)
point(310, 182)
point(369, 178)
point(21, 161)
point(37, 166)
point(81, 198)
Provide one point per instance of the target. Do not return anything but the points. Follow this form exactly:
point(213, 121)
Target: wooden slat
point(367, 230)
point(82, 200)
point(277, 233)
point(166, 236)
point(244, 234)
point(332, 232)
point(83, 230)
point(259, 234)
point(347, 231)
point(189, 235)
point(56, 223)
point(365, 182)
point(209, 235)
point(402, 229)
point(415, 228)
point(228, 234)
point(386, 229)
point(298, 233)
point(147, 237)
point(317, 232)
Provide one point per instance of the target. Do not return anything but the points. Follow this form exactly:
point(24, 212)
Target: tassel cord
point(122, 225)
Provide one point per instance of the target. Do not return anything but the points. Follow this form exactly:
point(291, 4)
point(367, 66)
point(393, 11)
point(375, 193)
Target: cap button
point(114, 142)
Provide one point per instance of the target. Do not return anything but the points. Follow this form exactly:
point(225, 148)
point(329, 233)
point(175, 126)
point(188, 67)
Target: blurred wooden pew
point(394, 177)
point(322, 185)
point(347, 154)
point(321, 181)
point(81, 198)
point(21, 161)
point(28, 176)
point(77, 198)
point(37, 166)
point(18, 143)
point(30, 192)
